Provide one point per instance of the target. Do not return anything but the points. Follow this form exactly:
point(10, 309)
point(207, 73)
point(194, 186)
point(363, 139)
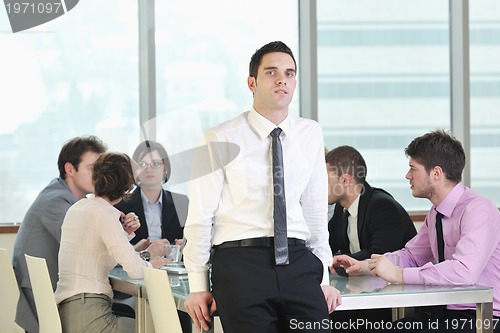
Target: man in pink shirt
point(470, 225)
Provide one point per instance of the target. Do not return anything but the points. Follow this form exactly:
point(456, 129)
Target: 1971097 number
point(470, 323)
point(32, 8)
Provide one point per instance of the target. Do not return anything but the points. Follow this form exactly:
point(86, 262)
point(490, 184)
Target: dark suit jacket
point(383, 225)
point(173, 214)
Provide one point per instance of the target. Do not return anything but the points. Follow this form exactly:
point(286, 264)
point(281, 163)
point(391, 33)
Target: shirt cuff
point(411, 275)
point(129, 236)
point(198, 281)
point(326, 276)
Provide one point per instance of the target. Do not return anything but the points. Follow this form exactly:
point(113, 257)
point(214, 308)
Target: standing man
point(458, 243)
point(40, 231)
point(262, 282)
point(366, 219)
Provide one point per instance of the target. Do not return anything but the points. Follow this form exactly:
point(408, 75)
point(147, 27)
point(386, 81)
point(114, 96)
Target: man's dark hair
point(73, 150)
point(439, 148)
point(149, 146)
point(347, 160)
point(256, 59)
point(112, 175)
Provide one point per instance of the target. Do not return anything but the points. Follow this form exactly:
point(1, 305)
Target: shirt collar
point(66, 186)
point(263, 126)
point(448, 204)
point(353, 208)
point(146, 200)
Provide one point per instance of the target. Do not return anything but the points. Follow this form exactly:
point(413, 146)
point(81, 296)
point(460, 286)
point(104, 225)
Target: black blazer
point(383, 225)
point(173, 217)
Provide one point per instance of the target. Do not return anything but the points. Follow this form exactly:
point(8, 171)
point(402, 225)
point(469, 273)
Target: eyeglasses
point(154, 164)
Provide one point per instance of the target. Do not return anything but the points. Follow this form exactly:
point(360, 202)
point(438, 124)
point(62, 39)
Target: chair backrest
point(45, 302)
point(10, 295)
point(161, 301)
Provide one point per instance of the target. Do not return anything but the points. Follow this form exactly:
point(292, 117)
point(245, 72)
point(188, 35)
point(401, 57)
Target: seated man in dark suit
point(376, 222)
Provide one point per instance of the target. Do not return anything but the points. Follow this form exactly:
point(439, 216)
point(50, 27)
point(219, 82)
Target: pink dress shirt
point(471, 229)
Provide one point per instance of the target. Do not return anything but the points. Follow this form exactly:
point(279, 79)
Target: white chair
point(10, 295)
point(161, 301)
point(45, 302)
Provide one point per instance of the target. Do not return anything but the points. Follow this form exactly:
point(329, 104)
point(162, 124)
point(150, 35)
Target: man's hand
point(351, 265)
point(142, 244)
point(332, 297)
point(200, 306)
point(381, 266)
point(157, 248)
point(158, 262)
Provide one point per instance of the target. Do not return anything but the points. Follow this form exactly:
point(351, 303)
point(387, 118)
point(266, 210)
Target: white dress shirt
point(152, 213)
point(236, 201)
point(352, 227)
point(92, 242)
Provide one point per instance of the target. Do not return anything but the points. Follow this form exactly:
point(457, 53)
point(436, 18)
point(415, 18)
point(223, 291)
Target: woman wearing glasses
point(162, 213)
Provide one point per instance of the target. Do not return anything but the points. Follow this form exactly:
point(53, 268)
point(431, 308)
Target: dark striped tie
point(279, 215)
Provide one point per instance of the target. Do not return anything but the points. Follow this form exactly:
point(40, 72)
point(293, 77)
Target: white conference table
point(358, 293)
point(369, 292)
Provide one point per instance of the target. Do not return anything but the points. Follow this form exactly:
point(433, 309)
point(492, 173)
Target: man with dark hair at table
point(366, 219)
point(40, 231)
point(458, 244)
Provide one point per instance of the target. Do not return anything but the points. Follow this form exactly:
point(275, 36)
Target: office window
point(75, 75)
point(383, 79)
point(485, 96)
point(202, 61)
point(78, 75)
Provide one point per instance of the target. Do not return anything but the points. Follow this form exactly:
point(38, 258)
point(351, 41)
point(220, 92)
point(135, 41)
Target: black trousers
point(357, 321)
point(254, 295)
